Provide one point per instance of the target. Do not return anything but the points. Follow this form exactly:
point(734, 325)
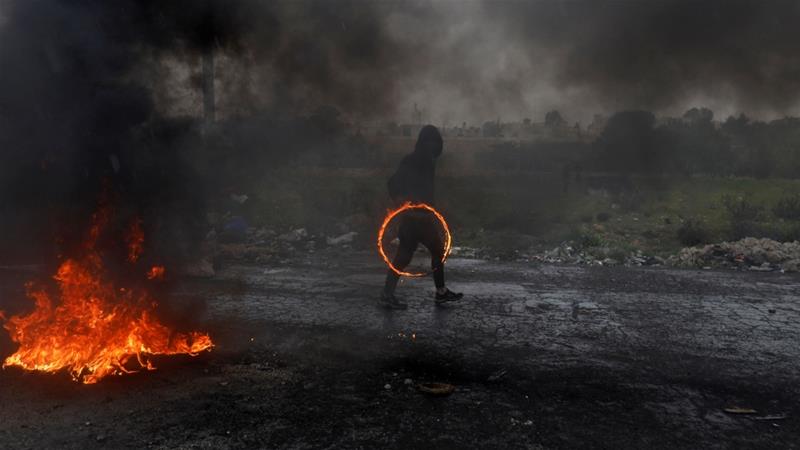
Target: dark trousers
point(417, 228)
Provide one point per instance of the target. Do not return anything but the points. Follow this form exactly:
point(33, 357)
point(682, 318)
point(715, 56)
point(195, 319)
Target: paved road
point(678, 317)
point(542, 356)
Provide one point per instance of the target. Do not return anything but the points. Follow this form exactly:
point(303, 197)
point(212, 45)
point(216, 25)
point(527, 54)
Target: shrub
point(745, 229)
point(630, 201)
point(588, 240)
point(791, 234)
point(693, 232)
point(740, 209)
point(788, 208)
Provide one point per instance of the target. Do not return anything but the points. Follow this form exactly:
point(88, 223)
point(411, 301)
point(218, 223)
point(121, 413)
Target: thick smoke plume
point(111, 92)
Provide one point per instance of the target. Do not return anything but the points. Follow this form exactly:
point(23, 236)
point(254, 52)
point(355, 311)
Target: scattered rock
point(387, 386)
point(436, 389)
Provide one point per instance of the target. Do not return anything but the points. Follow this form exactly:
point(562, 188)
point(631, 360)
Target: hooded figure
point(413, 182)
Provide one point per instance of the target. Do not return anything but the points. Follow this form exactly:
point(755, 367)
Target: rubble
point(294, 235)
point(568, 253)
point(748, 253)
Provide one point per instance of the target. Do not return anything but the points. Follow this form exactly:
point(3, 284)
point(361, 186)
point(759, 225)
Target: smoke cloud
point(112, 90)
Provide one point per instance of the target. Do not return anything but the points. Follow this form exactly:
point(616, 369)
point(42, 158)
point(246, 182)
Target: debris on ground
point(464, 252)
point(569, 253)
point(294, 235)
point(436, 389)
point(749, 253)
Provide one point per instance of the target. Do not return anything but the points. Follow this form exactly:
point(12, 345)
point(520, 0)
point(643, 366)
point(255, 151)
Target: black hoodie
point(413, 180)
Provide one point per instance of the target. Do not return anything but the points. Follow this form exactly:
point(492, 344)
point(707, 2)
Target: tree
point(629, 143)
point(695, 145)
point(698, 115)
point(553, 119)
point(491, 129)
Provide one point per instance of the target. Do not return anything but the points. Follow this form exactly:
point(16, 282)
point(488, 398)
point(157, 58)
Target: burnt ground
point(542, 356)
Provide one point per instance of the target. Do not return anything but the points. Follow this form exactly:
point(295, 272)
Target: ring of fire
point(406, 207)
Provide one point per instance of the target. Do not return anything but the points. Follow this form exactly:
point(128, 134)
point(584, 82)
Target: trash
point(294, 235)
point(749, 253)
point(436, 389)
point(738, 410)
point(342, 239)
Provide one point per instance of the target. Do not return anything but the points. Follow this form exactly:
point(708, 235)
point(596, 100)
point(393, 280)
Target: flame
point(405, 207)
point(156, 273)
point(92, 328)
point(135, 240)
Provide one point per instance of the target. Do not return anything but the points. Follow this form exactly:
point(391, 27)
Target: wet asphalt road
point(542, 356)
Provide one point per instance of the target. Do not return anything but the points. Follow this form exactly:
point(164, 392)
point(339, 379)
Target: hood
point(429, 141)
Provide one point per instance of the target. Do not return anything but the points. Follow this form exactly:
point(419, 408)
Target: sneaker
point(448, 296)
point(389, 301)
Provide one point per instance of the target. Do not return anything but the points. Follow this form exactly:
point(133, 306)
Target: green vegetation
point(515, 212)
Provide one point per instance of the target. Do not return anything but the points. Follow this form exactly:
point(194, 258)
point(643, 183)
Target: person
point(414, 182)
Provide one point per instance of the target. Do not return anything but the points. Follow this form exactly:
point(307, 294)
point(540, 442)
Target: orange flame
point(405, 207)
point(156, 273)
point(94, 329)
point(135, 240)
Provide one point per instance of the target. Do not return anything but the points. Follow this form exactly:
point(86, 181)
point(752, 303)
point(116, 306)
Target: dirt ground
point(542, 356)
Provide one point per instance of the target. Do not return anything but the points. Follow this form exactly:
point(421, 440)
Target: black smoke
point(82, 110)
point(110, 92)
point(657, 55)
